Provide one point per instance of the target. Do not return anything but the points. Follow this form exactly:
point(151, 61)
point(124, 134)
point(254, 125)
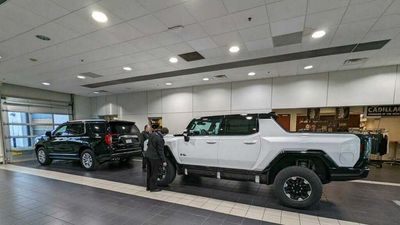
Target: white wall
point(82, 109)
point(178, 106)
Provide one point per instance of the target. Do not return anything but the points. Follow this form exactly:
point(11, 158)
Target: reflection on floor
point(342, 200)
point(32, 200)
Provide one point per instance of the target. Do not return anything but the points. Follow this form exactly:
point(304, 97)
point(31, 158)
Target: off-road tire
point(293, 180)
point(170, 174)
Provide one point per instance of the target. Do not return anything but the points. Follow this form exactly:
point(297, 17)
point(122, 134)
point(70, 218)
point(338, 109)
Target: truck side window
point(74, 129)
point(241, 124)
point(205, 126)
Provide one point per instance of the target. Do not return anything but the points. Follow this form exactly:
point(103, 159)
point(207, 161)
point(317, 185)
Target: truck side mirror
point(48, 134)
point(186, 136)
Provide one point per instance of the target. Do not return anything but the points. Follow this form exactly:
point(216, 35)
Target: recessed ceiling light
point(1, 57)
point(46, 83)
point(318, 34)
point(168, 84)
point(206, 79)
point(308, 67)
point(99, 17)
point(173, 60)
point(81, 77)
point(96, 92)
point(234, 49)
point(127, 68)
point(251, 74)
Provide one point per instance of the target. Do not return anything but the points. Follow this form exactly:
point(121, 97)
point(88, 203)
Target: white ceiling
point(137, 35)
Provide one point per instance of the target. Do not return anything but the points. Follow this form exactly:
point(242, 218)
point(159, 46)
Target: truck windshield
point(124, 128)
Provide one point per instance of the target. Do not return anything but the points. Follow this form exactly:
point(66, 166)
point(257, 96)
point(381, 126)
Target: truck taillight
point(108, 139)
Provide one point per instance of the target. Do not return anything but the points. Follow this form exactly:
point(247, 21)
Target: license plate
point(128, 141)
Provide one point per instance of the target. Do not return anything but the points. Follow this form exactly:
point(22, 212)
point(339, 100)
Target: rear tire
point(88, 160)
point(43, 157)
point(298, 187)
point(167, 174)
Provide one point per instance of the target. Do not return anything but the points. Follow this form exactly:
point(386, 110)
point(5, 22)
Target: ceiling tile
point(351, 33)
point(325, 19)
point(206, 9)
point(287, 26)
point(373, 35)
point(44, 8)
point(227, 39)
point(155, 5)
point(213, 53)
point(160, 53)
point(286, 9)
point(123, 32)
point(14, 12)
point(146, 43)
point(259, 44)
point(148, 24)
point(167, 38)
point(255, 33)
point(394, 8)
point(174, 16)
point(201, 44)
point(10, 28)
point(387, 22)
point(191, 32)
point(373, 9)
point(180, 48)
point(124, 9)
point(74, 4)
point(258, 16)
point(55, 32)
point(77, 23)
point(237, 5)
point(324, 5)
point(219, 25)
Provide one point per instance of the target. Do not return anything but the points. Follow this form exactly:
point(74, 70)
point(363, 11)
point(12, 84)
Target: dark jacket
point(143, 136)
point(155, 146)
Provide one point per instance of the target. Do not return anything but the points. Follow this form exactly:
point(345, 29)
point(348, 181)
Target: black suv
point(90, 141)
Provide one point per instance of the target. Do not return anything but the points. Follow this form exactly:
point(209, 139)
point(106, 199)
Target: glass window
point(18, 117)
point(123, 128)
point(42, 118)
point(98, 128)
point(60, 118)
point(240, 124)
point(20, 143)
point(38, 130)
point(60, 130)
point(74, 129)
point(205, 126)
point(19, 130)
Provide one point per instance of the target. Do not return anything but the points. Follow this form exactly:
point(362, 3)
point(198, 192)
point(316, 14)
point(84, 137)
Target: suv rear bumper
point(124, 154)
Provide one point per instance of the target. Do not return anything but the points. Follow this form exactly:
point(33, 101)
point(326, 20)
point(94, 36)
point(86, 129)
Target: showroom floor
point(341, 200)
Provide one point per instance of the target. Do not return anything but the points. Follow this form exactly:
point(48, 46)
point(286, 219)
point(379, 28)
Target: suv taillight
point(108, 139)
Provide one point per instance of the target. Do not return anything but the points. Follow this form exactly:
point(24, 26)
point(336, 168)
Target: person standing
point(144, 135)
point(155, 158)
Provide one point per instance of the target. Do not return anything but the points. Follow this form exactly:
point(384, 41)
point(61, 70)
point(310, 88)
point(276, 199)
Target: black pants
point(144, 161)
point(153, 169)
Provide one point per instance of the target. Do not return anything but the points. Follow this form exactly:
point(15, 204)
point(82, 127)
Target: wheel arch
point(314, 159)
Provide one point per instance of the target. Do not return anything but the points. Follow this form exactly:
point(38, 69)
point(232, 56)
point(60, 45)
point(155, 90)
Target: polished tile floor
point(362, 203)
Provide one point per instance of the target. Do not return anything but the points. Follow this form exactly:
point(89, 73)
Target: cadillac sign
point(392, 110)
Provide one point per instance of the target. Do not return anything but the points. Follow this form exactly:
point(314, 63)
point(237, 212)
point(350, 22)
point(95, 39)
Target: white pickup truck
point(254, 147)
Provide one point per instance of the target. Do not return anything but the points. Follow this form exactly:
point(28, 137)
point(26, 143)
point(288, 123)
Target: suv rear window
point(124, 128)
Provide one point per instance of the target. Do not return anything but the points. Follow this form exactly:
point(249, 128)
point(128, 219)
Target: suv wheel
point(298, 187)
point(88, 160)
point(167, 174)
point(43, 157)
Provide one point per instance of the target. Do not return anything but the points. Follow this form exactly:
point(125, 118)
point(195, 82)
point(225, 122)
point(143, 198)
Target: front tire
point(42, 157)
point(167, 174)
point(88, 160)
point(298, 187)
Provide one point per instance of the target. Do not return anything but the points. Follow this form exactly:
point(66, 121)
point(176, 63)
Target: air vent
point(288, 39)
point(91, 75)
point(354, 61)
point(191, 56)
point(221, 76)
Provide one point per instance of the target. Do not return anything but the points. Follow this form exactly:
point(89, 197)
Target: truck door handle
point(249, 142)
point(211, 142)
